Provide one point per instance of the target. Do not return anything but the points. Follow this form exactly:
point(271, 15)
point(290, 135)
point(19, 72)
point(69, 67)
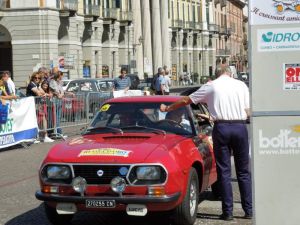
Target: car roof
point(93, 79)
point(146, 99)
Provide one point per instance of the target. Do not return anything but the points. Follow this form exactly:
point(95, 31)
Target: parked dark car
point(93, 89)
point(143, 85)
point(135, 81)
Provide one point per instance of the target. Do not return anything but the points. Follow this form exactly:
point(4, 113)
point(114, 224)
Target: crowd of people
point(46, 86)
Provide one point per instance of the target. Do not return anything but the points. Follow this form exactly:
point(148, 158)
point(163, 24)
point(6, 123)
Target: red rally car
point(132, 158)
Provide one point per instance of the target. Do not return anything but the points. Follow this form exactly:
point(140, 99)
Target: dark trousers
point(227, 137)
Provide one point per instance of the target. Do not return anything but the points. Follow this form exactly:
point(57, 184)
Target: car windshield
point(65, 82)
point(105, 85)
point(141, 117)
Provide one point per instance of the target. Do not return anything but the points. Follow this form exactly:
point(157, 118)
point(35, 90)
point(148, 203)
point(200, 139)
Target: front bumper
point(118, 199)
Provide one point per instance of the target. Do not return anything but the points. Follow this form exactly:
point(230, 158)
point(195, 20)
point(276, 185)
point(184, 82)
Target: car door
point(203, 140)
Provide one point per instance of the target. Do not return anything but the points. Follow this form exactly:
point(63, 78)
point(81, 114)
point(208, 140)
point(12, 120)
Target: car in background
point(94, 90)
point(135, 81)
point(244, 76)
point(65, 84)
point(144, 85)
point(132, 158)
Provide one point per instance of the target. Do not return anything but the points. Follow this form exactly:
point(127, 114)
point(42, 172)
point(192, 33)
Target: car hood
point(127, 148)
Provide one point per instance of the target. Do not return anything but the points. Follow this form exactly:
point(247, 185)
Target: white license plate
point(100, 204)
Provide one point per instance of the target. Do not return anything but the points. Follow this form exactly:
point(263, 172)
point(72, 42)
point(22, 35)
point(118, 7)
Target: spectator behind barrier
point(3, 88)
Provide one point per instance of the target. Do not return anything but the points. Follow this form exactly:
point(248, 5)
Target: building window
point(118, 4)
point(169, 9)
point(129, 6)
point(194, 13)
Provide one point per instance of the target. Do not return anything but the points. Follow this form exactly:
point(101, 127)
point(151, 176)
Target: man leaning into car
point(122, 82)
point(228, 102)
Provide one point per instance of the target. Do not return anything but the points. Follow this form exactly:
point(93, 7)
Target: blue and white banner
point(21, 125)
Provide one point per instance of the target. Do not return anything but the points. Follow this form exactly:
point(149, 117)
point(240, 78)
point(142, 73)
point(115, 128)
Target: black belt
point(230, 121)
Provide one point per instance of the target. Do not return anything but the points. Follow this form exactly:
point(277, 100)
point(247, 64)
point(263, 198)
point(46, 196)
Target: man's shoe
point(226, 217)
point(247, 216)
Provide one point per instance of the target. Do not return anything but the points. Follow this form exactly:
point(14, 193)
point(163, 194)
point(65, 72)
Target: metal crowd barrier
point(54, 114)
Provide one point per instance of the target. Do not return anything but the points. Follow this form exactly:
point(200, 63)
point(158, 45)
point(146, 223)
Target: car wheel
point(55, 218)
point(186, 212)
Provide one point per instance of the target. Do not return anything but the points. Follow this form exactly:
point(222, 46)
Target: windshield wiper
point(116, 130)
point(154, 130)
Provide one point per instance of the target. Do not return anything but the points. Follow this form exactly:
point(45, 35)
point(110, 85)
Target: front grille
point(89, 172)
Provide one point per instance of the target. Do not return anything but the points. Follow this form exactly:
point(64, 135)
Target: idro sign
point(274, 12)
point(272, 40)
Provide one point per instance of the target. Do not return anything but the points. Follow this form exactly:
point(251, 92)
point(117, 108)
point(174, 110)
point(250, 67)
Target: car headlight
point(148, 173)
point(56, 173)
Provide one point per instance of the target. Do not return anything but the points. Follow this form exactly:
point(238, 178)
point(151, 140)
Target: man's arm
point(129, 84)
point(181, 102)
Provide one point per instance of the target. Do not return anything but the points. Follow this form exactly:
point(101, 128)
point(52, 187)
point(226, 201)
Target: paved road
point(18, 206)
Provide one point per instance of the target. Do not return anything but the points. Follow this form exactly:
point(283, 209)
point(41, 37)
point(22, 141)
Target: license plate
point(100, 203)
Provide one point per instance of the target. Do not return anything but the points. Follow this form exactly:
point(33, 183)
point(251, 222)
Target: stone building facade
point(98, 37)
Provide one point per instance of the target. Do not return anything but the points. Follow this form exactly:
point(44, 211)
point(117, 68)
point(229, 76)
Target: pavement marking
point(17, 181)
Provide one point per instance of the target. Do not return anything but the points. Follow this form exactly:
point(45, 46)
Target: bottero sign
point(274, 12)
point(273, 40)
point(285, 143)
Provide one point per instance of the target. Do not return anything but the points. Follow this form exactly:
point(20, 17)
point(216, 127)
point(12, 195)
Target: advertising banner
point(21, 125)
point(276, 168)
point(275, 40)
point(274, 12)
point(291, 76)
point(275, 127)
point(122, 93)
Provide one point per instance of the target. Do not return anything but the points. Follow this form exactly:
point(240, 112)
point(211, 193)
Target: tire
point(55, 218)
point(186, 212)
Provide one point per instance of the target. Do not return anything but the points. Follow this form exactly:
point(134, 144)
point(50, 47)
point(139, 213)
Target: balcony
point(213, 28)
point(177, 23)
point(223, 52)
point(188, 25)
point(111, 14)
point(125, 16)
point(91, 12)
point(199, 26)
point(67, 7)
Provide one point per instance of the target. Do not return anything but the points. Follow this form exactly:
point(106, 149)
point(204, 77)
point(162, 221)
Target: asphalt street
point(18, 206)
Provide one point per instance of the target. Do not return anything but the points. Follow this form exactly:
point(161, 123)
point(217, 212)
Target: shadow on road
point(37, 217)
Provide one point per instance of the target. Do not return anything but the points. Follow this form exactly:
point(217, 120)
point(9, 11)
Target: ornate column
point(138, 38)
point(156, 34)
point(146, 27)
point(166, 56)
point(204, 41)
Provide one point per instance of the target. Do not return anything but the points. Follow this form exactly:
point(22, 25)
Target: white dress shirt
point(226, 98)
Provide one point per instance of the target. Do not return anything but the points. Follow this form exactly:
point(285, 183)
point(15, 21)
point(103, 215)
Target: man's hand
point(163, 108)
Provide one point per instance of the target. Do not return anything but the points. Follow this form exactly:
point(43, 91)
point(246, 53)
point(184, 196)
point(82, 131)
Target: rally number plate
point(100, 204)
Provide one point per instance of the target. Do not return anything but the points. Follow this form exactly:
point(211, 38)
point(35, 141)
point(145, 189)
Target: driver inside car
point(127, 119)
point(179, 117)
